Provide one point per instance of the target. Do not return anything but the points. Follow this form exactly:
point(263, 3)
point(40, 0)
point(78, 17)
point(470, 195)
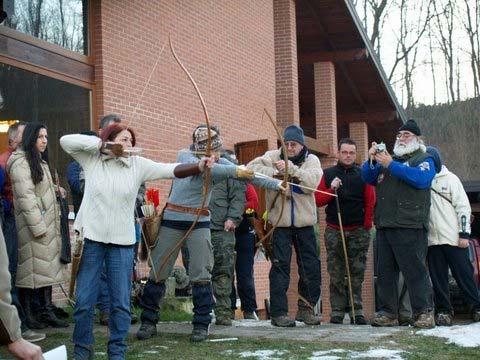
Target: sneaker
point(443, 319)
point(250, 315)
point(336, 319)
point(146, 331)
point(382, 320)
point(199, 334)
point(33, 336)
point(476, 315)
point(425, 321)
point(405, 321)
point(103, 318)
point(283, 321)
point(306, 315)
point(223, 322)
point(359, 320)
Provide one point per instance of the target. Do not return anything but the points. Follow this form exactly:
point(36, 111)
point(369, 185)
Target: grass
point(174, 346)
point(177, 346)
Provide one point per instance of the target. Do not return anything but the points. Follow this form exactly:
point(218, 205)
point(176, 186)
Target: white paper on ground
point(59, 353)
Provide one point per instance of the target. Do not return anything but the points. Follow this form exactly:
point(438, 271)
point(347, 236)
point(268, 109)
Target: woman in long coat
point(38, 226)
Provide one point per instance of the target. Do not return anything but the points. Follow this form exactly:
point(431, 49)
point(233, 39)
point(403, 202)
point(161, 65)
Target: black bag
point(66, 250)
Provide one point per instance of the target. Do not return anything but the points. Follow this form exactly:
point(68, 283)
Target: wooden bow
point(285, 175)
point(208, 152)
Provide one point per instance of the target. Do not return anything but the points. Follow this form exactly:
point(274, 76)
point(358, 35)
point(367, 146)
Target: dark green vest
point(400, 205)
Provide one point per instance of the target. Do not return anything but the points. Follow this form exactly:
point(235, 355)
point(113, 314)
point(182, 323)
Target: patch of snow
point(222, 340)
point(161, 347)
point(99, 353)
point(262, 354)
point(326, 352)
point(379, 353)
point(151, 352)
point(461, 335)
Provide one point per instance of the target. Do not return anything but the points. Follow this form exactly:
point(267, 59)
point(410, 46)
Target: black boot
point(26, 298)
point(47, 315)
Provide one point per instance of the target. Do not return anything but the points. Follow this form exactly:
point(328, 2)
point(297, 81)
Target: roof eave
point(376, 61)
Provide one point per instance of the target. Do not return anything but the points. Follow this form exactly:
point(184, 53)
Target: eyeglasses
point(405, 135)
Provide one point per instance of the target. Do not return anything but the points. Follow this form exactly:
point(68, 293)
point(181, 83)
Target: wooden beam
point(341, 65)
point(332, 56)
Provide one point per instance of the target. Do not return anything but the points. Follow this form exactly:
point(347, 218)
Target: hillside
point(455, 130)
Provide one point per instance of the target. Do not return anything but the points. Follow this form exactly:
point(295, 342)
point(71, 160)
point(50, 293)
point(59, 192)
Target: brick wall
point(228, 47)
point(286, 69)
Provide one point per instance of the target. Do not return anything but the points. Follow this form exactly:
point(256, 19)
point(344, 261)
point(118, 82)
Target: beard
point(402, 149)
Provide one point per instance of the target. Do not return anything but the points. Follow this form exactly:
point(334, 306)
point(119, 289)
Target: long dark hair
point(34, 157)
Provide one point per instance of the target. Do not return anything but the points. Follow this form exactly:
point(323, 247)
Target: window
point(64, 108)
point(61, 22)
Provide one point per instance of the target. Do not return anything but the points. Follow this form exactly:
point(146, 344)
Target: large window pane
point(61, 22)
point(64, 108)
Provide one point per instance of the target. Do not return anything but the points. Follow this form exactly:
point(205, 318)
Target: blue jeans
point(118, 264)
point(11, 242)
point(103, 302)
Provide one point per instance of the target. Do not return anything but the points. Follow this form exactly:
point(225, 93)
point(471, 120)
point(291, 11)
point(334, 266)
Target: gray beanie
point(294, 133)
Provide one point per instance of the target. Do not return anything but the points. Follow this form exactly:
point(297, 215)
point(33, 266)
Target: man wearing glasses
point(401, 218)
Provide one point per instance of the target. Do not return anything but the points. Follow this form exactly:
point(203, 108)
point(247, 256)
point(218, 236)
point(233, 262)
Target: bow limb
point(285, 175)
point(208, 152)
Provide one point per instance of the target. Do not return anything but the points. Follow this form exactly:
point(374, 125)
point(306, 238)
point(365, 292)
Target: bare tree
point(471, 23)
point(445, 28)
point(410, 34)
point(378, 7)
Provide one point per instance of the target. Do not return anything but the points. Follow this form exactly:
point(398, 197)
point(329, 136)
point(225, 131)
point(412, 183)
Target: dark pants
point(305, 244)
point(11, 242)
point(403, 250)
point(245, 249)
point(442, 257)
point(153, 292)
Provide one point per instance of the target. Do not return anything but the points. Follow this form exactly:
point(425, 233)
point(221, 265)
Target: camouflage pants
point(358, 241)
point(224, 261)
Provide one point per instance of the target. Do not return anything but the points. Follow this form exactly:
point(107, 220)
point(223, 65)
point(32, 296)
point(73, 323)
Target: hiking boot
point(103, 318)
point(33, 336)
point(59, 312)
point(336, 319)
point(443, 319)
point(282, 321)
point(476, 315)
point(382, 320)
point(49, 318)
point(223, 322)
point(250, 315)
point(199, 334)
point(146, 331)
point(359, 320)
point(425, 321)
point(33, 323)
point(306, 315)
point(405, 321)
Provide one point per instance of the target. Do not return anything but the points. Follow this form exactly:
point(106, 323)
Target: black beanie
point(411, 126)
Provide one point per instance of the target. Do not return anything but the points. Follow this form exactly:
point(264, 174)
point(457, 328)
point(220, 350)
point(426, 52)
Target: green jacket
point(227, 202)
point(400, 205)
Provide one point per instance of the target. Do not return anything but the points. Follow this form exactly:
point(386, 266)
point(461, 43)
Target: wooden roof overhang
point(330, 30)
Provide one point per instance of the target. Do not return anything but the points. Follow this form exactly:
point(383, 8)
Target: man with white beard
point(401, 218)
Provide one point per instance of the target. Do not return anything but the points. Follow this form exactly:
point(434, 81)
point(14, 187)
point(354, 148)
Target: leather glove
point(112, 148)
point(243, 173)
